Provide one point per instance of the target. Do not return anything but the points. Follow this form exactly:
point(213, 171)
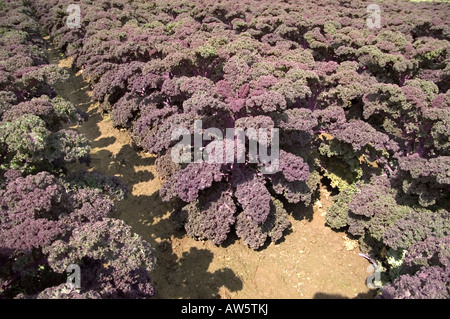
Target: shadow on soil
point(191, 276)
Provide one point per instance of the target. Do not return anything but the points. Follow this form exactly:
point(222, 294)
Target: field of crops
point(224, 149)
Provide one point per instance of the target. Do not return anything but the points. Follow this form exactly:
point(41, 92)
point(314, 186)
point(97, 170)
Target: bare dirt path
point(311, 262)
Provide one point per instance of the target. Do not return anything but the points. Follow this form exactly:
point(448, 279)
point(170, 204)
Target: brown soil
point(312, 261)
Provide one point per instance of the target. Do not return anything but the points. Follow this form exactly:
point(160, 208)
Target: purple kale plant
point(45, 227)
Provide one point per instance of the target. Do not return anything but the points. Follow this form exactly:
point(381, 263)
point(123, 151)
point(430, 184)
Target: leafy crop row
point(49, 219)
point(368, 109)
